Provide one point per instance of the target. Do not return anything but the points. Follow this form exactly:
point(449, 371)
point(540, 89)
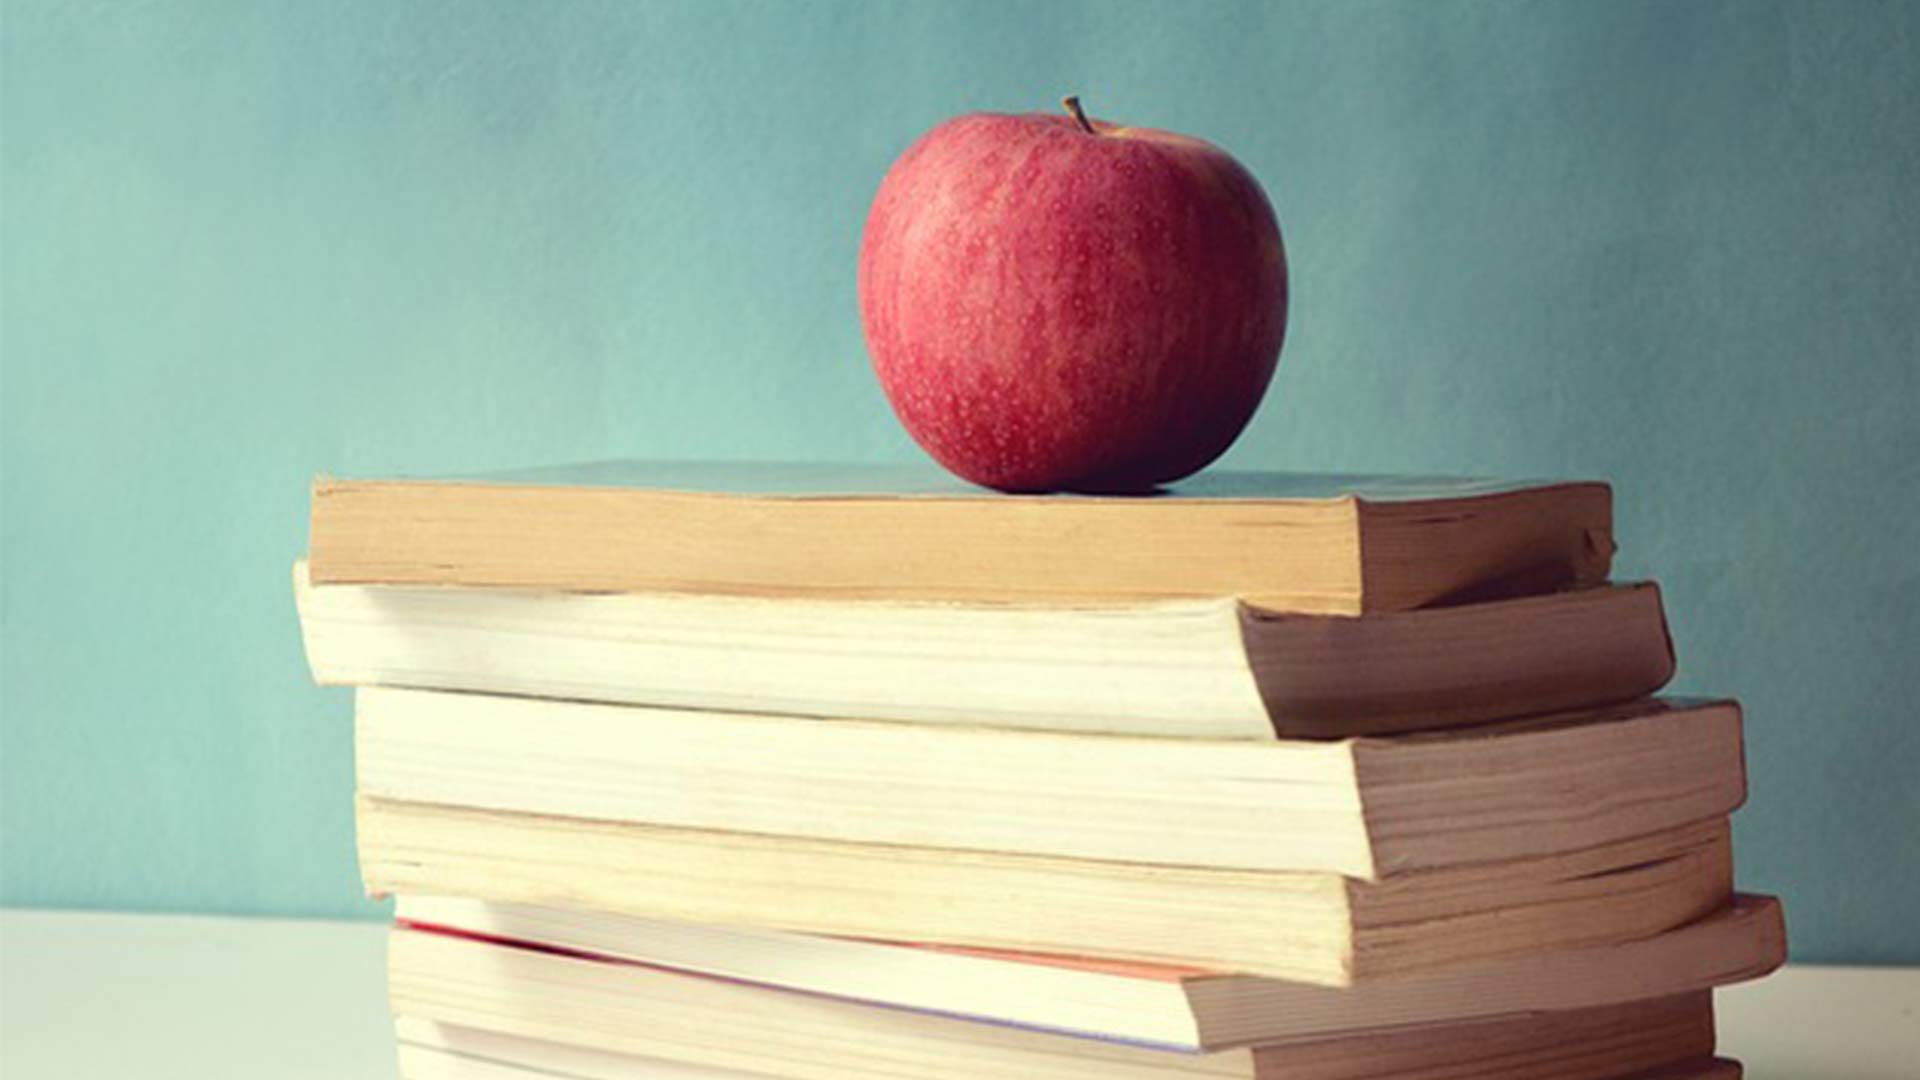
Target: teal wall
point(1670, 244)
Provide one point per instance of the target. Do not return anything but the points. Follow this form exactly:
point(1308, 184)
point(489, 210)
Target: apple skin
point(1050, 309)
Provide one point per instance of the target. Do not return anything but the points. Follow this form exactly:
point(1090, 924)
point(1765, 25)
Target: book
point(1324, 544)
point(1365, 807)
point(693, 1020)
point(1171, 1008)
point(430, 1051)
point(1310, 927)
point(1209, 669)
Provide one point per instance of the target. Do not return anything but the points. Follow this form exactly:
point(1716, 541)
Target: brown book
point(1283, 542)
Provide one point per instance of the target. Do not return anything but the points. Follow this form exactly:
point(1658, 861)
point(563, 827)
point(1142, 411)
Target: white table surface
point(159, 997)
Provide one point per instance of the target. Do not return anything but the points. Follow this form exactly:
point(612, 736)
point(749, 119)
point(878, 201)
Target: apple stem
point(1072, 104)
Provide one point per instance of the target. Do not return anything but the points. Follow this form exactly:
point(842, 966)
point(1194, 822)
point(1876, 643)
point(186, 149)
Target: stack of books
point(711, 771)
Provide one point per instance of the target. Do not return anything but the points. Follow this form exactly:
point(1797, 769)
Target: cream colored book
point(1150, 1005)
point(1287, 542)
point(692, 1020)
point(431, 1051)
point(1201, 668)
point(1362, 807)
point(1311, 927)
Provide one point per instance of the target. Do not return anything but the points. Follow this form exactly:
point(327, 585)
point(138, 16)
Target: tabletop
point(171, 997)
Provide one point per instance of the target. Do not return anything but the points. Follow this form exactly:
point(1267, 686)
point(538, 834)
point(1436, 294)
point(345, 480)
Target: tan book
point(1172, 1008)
point(1363, 807)
point(1311, 927)
point(1206, 668)
point(691, 1020)
point(1324, 544)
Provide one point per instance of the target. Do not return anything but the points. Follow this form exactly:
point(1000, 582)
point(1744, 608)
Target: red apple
point(1054, 303)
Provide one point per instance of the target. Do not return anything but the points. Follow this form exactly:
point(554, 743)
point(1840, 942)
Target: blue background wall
point(1670, 244)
